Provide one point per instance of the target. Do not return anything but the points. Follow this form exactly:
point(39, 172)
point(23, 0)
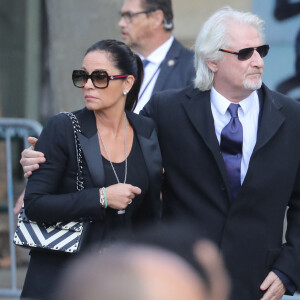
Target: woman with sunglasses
point(121, 163)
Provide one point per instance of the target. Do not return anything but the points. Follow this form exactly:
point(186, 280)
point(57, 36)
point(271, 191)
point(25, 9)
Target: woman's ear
point(128, 83)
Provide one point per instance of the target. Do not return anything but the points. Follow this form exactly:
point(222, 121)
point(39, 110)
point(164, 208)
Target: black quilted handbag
point(62, 236)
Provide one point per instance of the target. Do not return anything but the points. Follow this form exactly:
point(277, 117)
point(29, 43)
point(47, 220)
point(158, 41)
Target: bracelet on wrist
point(103, 200)
point(104, 192)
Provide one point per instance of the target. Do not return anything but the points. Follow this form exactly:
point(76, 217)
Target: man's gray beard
point(252, 85)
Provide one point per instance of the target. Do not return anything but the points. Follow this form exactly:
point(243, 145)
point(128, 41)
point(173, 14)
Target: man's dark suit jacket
point(249, 228)
point(51, 193)
point(177, 69)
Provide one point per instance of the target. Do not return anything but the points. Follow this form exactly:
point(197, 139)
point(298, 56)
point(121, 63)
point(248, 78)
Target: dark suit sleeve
point(289, 285)
point(51, 193)
point(289, 259)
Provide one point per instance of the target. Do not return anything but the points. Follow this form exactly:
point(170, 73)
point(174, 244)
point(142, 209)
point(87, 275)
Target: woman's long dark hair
point(127, 62)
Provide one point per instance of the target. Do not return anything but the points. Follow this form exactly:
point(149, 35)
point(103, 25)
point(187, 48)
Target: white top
point(151, 72)
point(248, 113)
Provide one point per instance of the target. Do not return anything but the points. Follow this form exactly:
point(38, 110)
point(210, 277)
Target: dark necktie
point(232, 148)
point(145, 62)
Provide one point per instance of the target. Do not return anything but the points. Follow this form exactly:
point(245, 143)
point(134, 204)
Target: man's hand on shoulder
point(30, 159)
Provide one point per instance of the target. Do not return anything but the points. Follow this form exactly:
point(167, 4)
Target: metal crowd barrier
point(14, 128)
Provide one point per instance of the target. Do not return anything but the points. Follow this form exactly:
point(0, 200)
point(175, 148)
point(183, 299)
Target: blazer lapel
point(271, 119)
point(90, 146)
point(167, 67)
point(148, 141)
point(198, 110)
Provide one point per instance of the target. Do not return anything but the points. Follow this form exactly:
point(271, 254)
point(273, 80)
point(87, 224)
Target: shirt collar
point(158, 55)
point(221, 104)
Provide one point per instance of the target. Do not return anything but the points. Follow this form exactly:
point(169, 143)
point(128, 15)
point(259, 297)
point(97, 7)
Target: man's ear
point(212, 65)
point(158, 17)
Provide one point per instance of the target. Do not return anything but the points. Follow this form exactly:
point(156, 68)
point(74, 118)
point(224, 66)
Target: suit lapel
point(271, 118)
point(90, 146)
point(92, 155)
point(167, 66)
point(149, 144)
point(198, 110)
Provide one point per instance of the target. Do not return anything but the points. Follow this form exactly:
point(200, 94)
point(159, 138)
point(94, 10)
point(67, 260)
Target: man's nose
point(256, 59)
point(121, 22)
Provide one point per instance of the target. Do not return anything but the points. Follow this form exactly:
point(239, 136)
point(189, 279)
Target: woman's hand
point(31, 159)
point(120, 195)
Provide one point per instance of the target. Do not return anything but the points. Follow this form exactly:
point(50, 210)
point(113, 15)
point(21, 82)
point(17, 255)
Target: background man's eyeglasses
point(100, 78)
point(246, 53)
point(129, 15)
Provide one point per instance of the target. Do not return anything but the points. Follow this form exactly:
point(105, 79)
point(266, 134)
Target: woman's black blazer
point(51, 193)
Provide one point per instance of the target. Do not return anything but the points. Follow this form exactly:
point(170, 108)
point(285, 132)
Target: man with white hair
point(231, 155)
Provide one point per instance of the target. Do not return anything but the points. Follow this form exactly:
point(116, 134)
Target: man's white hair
point(213, 36)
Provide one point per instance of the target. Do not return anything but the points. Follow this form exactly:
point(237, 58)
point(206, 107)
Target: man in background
point(146, 26)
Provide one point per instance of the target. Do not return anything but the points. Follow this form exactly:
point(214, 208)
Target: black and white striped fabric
point(61, 236)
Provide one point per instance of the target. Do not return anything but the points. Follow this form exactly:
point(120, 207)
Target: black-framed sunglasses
point(129, 15)
point(100, 78)
point(246, 53)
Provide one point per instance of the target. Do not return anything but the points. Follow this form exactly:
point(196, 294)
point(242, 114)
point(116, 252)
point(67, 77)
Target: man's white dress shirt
point(151, 72)
point(248, 113)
